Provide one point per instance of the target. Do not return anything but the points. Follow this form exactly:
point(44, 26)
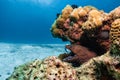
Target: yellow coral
point(95, 16)
point(75, 14)
point(60, 22)
point(115, 32)
point(57, 32)
point(66, 12)
point(81, 12)
point(68, 9)
point(89, 8)
point(61, 19)
point(115, 13)
point(88, 25)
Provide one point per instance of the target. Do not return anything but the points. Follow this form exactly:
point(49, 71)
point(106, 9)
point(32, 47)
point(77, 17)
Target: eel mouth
point(67, 58)
point(71, 54)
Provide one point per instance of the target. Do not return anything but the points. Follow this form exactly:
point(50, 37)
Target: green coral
point(115, 49)
point(102, 72)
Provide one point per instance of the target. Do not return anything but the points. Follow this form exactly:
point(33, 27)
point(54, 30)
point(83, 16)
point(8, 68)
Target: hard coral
point(100, 68)
point(66, 12)
point(95, 17)
point(115, 32)
point(50, 68)
point(85, 26)
point(81, 18)
point(59, 23)
point(107, 66)
point(115, 37)
point(74, 14)
point(89, 8)
point(115, 13)
point(81, 12)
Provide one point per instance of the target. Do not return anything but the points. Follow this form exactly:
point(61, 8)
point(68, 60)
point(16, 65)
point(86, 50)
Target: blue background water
point(29, 21)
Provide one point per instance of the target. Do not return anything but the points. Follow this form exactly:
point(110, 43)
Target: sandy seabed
point(13, 55)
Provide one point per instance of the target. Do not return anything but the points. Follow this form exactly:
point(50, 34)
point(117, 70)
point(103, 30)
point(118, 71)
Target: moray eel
point(79, 55)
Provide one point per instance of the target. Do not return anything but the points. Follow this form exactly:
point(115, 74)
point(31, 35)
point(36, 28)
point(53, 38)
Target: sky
point(29, 21)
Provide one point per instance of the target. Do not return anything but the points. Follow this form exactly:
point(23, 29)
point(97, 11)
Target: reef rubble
point(94, 37)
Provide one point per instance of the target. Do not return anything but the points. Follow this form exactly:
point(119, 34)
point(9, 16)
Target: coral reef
point(94, 50)
point(58, 24)
point(85, 26)
point(81, 21)
point(105, 67)
point(50, 68)
point(115, 14)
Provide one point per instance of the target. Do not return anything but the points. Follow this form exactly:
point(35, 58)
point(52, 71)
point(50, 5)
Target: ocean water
point(25, 29)
point(13, 55)
point(29, 21)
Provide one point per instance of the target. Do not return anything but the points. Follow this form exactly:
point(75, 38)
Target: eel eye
point(67, 50)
